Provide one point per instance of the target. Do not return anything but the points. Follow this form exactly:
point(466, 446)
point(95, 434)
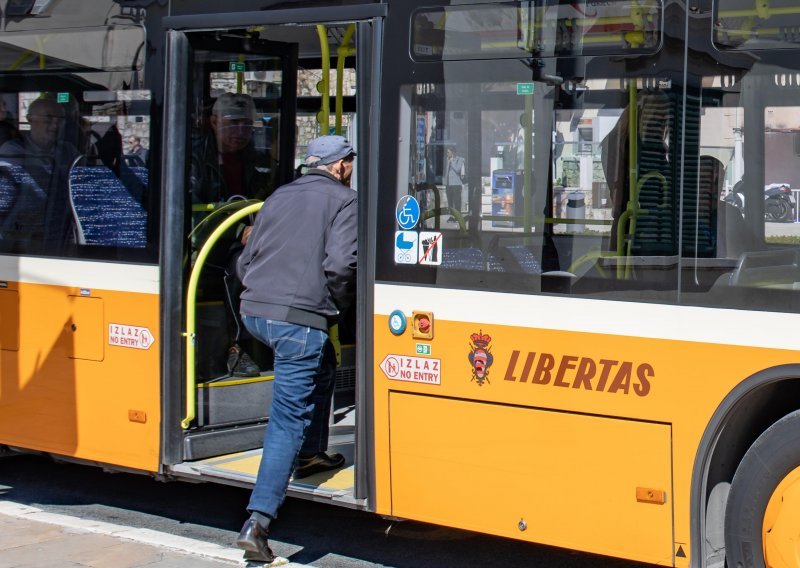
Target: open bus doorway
point(256, 98)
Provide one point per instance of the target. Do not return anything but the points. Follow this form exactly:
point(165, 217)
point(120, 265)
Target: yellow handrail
point(343, 51)
point(633, 212)
point(323, 118)
point(216, 210)
point(191, 316)
point(240, 76)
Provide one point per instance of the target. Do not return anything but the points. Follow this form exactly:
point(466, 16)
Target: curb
point(189, 546)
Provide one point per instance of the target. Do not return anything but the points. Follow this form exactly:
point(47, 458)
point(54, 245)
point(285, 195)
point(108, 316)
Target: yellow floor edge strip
point(247, 463)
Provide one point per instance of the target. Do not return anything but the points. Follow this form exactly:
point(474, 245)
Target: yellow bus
point(578, 261)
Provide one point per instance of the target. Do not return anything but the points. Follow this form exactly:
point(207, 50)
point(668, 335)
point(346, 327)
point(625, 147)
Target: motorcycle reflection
point(779, 202)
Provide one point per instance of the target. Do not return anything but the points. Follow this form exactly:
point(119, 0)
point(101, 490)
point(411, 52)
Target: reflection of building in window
point(781, 149)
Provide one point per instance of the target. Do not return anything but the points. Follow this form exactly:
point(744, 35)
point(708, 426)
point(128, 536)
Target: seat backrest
point(769, 268)
point(463, 259)
point(22, 205)
point(513, 258)
point(701, 211)
point(105, 211)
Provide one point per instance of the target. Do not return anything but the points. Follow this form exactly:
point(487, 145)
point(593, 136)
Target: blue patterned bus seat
point(514, 258)
point(106, 212)
point(22, 203)
point(463, 259)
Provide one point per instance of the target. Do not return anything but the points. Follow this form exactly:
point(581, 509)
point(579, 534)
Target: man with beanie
point(298, 269)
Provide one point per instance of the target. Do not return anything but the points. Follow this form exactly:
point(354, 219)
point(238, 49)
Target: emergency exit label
point(412, 369)
point(130, 336)
point(236, 66)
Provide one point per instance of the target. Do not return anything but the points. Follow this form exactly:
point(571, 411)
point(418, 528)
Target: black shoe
point(317, 463)
point(241, 364)
point(253, 540)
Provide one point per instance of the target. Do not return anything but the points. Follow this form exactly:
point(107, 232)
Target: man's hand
point(246, 234)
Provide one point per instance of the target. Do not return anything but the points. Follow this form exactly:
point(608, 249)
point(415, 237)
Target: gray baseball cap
point(230, 105)
point(328, 149)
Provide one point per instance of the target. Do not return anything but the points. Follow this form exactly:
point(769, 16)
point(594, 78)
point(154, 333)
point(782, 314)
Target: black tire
point(771, 457)
point(787, 212)
point(778, 210)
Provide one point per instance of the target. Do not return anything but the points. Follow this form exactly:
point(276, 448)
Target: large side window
point(526, 186)
point(578, 170)
point(75, 137)
point(742, 227)
point(744, 223)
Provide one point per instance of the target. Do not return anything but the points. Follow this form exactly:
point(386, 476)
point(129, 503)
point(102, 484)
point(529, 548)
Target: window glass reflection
point(71, 177)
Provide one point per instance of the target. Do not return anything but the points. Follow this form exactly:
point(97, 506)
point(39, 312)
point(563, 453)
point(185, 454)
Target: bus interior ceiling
point(223, 442)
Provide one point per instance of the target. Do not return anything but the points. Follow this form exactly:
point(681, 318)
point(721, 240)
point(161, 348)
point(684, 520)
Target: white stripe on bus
point(656, 321)
point(143, 278)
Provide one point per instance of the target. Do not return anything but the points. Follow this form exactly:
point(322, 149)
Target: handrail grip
point(323, 118)
point(191, 296)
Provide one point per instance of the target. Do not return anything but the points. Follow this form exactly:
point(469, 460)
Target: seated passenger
point(47, 157)
point(225, 164)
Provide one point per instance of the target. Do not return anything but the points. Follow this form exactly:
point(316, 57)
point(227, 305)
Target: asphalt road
point(308, 533)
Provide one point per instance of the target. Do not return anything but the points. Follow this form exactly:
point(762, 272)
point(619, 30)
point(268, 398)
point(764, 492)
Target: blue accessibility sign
point(407, 212)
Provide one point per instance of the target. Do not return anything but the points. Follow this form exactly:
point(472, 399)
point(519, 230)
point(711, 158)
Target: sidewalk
point(32, 538)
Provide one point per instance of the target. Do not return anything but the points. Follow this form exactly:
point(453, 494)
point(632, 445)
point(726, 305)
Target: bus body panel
point(83, 379)
point(560, 478)
point(653, 395)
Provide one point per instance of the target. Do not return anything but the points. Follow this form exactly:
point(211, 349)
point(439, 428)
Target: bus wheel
point(762, 518)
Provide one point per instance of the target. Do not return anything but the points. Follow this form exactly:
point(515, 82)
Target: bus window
point(744, 25)
point(71, 185)
point(741, 228)
point(518, 29)
point(535, 198)
point(308, 124)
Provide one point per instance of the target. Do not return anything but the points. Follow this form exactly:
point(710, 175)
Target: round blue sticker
point(397, 322)
point(407, 212)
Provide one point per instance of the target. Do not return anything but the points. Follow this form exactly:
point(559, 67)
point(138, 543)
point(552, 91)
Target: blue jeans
point(305, 367)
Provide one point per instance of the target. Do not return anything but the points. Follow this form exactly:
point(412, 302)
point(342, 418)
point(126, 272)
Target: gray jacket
point(299, 264)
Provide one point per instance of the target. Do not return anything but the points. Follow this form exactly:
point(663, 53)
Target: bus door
point(250, 100)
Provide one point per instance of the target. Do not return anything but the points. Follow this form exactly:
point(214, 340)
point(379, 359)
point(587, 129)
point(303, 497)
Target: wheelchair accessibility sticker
point(405, 247)
point(407, 212)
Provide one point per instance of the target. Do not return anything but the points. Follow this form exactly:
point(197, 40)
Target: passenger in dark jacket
point(225, 164)
point(298, 270)
point(41, 220)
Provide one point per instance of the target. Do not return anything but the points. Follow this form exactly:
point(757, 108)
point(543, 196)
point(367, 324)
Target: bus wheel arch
point(749, 410)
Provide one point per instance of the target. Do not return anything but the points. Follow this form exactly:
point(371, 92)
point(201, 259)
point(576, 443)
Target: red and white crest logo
point(480, 357)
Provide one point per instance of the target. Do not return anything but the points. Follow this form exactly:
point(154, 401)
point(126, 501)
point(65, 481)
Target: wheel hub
point(781, 527)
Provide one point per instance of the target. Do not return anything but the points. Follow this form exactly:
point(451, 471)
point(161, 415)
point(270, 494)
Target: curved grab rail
point(191, 307)
point(217, 210)
point(631, 215)
point(424, 187)
point(435, 213)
